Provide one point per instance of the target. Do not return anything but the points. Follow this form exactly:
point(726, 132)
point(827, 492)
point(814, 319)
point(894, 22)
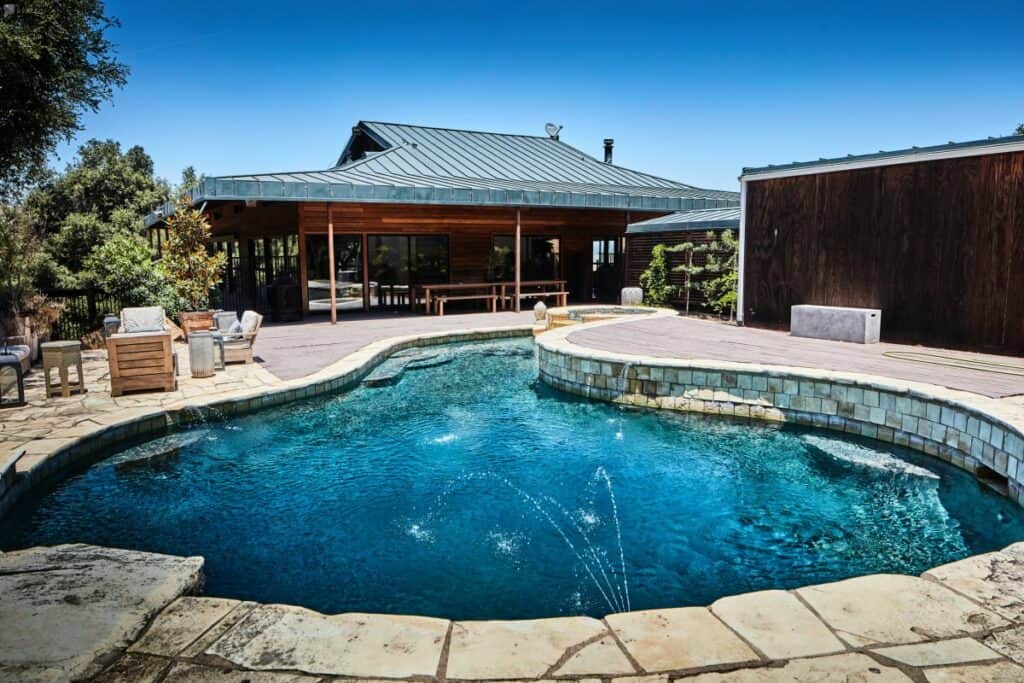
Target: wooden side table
point(61, 356)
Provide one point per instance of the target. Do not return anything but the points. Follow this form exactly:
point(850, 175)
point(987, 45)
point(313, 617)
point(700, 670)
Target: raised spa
point(467, 489)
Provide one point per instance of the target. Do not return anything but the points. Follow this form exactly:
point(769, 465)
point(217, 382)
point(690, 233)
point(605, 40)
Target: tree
point(688, 268)
point(57, 65)
point(1019, 130)
point(112, 185)
point(190, 270)
point(654, 280)
point(20, 250)
point(103, 193)
point(723, 262)
point(123, 267)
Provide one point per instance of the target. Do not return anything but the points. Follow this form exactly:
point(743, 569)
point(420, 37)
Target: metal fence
point(83, 312)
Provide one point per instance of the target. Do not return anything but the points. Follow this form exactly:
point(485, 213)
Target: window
point(540, 258)
point(398, 262)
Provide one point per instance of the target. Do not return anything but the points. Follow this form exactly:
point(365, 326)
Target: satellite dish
point(552, 130)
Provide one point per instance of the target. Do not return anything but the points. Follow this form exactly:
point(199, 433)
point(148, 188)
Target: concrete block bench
point(838, 323)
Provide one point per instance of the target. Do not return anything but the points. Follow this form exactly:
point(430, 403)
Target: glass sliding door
point(400, 262)
point(540, 258)
point(606, 270)
point(389, 270)
point(429, 263)
point(348, 273)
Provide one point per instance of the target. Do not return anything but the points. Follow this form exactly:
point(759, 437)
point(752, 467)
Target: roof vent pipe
point(608, 144)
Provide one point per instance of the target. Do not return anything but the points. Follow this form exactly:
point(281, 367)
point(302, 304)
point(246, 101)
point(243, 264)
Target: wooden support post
point(366, 272)
point(330, 263)
point(303, 271)
point(519, 259)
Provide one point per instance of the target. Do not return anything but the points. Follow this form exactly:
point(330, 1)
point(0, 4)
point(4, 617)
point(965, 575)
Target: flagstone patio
point(75, 611)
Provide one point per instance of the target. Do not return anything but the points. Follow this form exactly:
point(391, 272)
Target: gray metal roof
point(419, 165)
point(992, 145)
point(447, 153)
point(696, 220)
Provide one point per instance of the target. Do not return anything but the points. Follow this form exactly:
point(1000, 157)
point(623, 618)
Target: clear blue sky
point(690, 91)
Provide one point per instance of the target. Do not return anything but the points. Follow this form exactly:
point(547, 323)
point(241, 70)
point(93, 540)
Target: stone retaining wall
point(948, 429)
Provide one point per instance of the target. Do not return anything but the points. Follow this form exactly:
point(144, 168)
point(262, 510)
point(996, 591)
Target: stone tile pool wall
point(940, 426)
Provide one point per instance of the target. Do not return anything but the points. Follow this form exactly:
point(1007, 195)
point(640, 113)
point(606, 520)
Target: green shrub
point(123, 267)
point(654, 280)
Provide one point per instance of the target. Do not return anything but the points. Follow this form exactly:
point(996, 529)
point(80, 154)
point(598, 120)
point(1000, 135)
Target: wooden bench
point(142, 360)
point(441, 300)
point(562, 297)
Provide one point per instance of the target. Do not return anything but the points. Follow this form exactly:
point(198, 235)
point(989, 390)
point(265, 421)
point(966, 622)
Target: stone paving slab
point(134, 668)
point(63, 609)
point(1009, 643)
point(181, 624)
point(603, 656)
point(777, 624)
point(844, 668)
point(191, 673)
point(1000, 672)
point(953, 651)
point(679, 639)
point(996, 580)
point(363, 645)
point(518, 649)
point(891, 609)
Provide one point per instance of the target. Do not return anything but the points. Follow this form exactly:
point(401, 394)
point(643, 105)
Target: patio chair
point(239, 339)
point(224, 320)
point(141, 356)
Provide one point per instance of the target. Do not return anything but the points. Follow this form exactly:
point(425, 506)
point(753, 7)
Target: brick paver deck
point(691, 338)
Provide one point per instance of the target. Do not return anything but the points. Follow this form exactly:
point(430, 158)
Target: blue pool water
point(471, 490)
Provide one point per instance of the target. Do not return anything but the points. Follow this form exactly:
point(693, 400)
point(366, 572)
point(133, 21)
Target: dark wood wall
point(938, 246)
point(638, 258)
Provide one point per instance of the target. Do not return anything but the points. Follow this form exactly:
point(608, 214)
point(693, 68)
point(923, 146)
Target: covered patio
point(432, 219)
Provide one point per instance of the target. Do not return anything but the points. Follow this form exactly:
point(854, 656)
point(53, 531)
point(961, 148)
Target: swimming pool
point(462, 487)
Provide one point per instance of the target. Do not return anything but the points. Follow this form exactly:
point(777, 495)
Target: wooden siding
point(938, 246)
point(638, 257)
point(470, 229)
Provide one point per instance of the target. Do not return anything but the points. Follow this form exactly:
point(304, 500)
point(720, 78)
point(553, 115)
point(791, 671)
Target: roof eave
point(908, 156)
point(230, 189)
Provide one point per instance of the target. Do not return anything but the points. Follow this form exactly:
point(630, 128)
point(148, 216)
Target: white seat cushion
point(250, 319)
point(143, 319)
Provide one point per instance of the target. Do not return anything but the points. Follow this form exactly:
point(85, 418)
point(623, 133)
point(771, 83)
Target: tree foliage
point(57, 64)
point(191, 271)
point(104, 193)
point(20, 252)
point(657, 289)
point(123, 267)
point(1019, 130)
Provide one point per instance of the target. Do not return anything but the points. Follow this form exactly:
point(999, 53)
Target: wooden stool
point(60, 356)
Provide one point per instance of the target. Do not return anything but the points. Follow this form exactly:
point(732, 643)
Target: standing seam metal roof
point(700, 219)
point(421, 165)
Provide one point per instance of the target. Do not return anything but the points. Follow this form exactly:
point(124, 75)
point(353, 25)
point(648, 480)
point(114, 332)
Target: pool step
point(391, 372)
point(384, 375)
point(428, 361)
